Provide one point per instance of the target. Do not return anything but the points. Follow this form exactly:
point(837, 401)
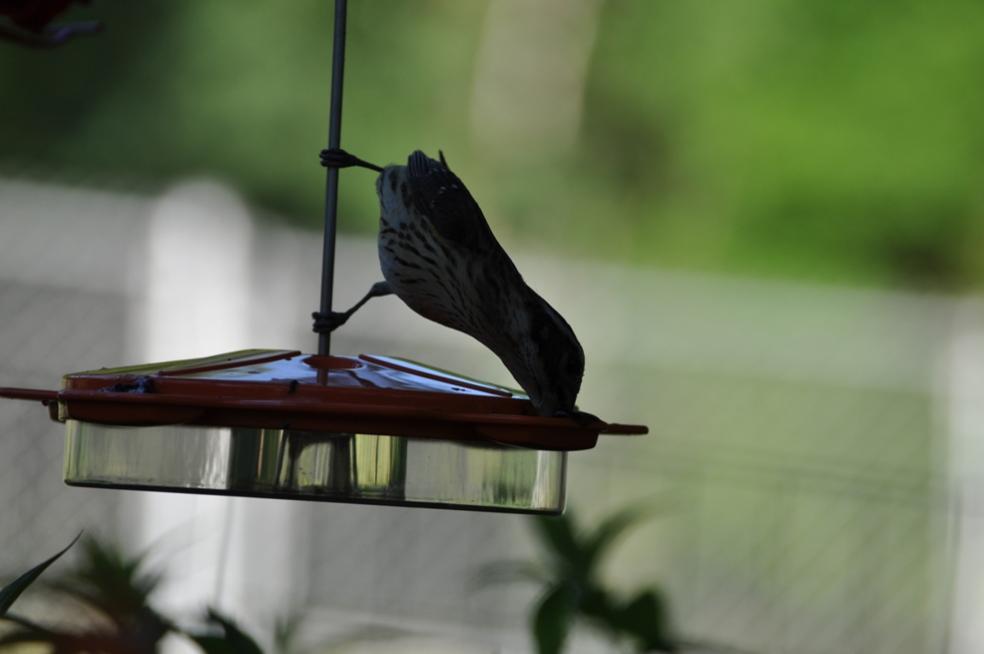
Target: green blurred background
point(837, 141)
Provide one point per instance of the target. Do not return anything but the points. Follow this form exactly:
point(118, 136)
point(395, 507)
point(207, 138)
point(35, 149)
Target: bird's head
point(550, 364)
point(391, 185)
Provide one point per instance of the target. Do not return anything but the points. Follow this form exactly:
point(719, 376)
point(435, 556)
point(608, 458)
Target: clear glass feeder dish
point(360, 468)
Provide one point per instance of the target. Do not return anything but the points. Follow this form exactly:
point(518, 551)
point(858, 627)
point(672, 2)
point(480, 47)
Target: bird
point(438, 254)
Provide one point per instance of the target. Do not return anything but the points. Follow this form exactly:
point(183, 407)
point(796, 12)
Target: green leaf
point(552, 619)
point(10, 592)
point(596, 603)
point(214, 644)
point(109, 580)
point(558, 534)
point(645, 620)
point(232, 640)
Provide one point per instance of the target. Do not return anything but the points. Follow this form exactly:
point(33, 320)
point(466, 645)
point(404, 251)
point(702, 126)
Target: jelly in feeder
point(279, 423)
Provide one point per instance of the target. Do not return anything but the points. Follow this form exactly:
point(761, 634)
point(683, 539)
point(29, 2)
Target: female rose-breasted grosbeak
point(438, 254)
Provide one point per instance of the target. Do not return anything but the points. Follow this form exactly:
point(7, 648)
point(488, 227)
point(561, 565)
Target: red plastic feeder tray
point(277, 423)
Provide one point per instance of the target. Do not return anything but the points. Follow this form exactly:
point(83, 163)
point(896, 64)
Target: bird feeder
point(282, 424)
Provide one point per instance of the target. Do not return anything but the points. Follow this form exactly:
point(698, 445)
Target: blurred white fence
point(805, 440)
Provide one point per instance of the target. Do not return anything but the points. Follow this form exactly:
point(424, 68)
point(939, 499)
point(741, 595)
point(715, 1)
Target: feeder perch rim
point(270, 389)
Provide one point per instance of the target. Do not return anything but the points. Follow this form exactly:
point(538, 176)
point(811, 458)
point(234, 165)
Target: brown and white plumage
point(438, 254)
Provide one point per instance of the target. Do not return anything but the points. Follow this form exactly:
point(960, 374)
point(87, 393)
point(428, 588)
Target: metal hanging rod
point(331, 183)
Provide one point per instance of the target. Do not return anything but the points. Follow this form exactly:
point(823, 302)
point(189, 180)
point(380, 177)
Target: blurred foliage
point(111, 591)
point(109, 612)
point(229, 639)
point(110, 594)
point(573, 589)
point(13, 590)
point(835, 141)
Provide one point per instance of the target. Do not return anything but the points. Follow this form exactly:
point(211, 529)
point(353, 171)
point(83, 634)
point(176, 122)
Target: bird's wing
point(443, 198)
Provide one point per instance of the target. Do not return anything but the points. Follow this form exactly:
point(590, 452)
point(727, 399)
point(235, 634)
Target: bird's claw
point(339, 158)
point(325, 323)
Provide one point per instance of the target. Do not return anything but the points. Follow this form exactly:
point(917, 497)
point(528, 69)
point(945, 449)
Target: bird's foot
point(380, 289)
point(326, 323)
point(339, 158)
